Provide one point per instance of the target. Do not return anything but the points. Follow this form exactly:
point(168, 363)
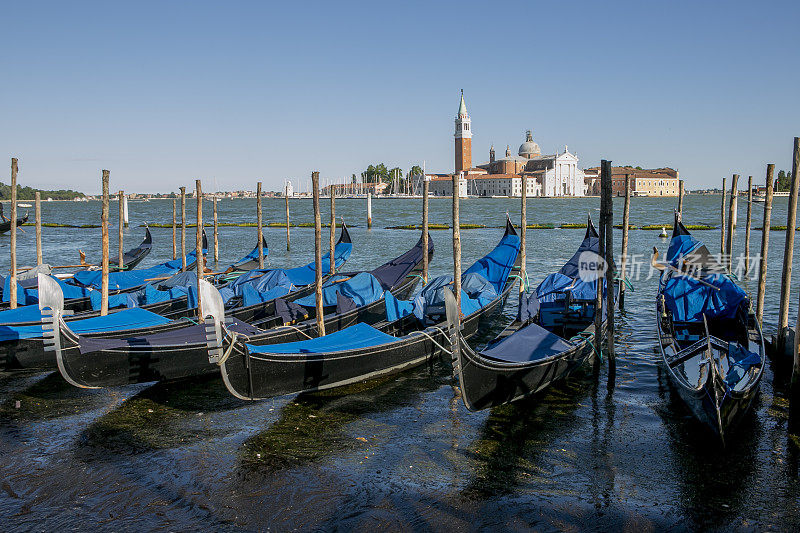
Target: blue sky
point(163, 93)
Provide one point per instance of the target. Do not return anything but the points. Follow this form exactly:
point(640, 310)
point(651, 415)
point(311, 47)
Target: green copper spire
point(462, 108)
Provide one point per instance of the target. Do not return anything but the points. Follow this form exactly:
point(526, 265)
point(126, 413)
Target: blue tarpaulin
point(125, 319)
point(251, 296)
point(680, 246)
point(556, 286)
point(26, 313)
point(362, 288)
point(23, 296)
point(497, 264)
point(352, 338)
point(689, 300)
point(396, 309)
point(132, 278)
point(304, 275)
point(262, 281)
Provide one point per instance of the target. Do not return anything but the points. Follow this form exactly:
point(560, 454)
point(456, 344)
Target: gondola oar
point(661, 266)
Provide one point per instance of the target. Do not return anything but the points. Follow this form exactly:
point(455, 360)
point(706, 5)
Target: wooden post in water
point(332, 189)
point(425, 188)
point(174, 225)
point(456, 244)
point(216, 233)
point(318, 254)
point(121, 226)
point(747, 225)
point(199, 246)
point(680, 214)
point(125, 210)
point(286, 197)
point(260, 222)
point(183, 227)
point(762, 267)
point(523, 257)
point(39, 256)
point(369, 210)
point(13, 244)
point(625, 219)
point(794, 384)
point(722, 227)
point(607, 222)
point(788, 253)
point(731, 222)
point(104, 259)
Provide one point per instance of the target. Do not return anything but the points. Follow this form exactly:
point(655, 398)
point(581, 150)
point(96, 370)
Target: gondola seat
point(530, 343)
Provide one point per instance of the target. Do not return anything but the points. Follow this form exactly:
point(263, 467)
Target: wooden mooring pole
point(121, 227)
point(216, 233)
point(788, 252)
point(39, 255)
point(174, 226)
point(607, 222)
point(722, 225)
point(747, 225)
point(13, 244)
point(199, 246)
point(762, 266)
point(456, 243)
point(626, 212)
point(680, 213)
point(332, 189)
point(523, 233)
point(286, 197)
point(318, 254)
point(731, 222)
point(183, 227)
point(260, 222)
point(369, 210)
point(425, 188)
point(104, 258)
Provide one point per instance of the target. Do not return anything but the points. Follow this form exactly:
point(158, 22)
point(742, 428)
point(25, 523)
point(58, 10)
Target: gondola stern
point(344, 236)
point(591, 231)
point(213, 309)
point(51, 304)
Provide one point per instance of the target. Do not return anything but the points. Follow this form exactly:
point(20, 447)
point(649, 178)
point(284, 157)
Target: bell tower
point(463, 137)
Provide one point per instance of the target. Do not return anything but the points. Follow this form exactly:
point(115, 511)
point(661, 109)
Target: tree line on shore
point(29, 193)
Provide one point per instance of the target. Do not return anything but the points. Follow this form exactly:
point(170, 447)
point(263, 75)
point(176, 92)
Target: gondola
point(401, 339)
point(710, 341)
point(131, 258)
point(155, 309)
point(166, 353)
point(5, 224)
point(549, 338)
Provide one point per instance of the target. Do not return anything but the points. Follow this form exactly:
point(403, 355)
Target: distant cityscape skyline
point(163, 94)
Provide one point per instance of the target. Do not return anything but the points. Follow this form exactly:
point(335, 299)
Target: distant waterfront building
point(644, 182)
point(547, 175)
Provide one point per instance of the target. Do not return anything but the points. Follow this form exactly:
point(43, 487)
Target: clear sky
point(165, 92)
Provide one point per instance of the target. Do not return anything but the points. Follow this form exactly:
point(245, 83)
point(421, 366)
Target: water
point(400, 452)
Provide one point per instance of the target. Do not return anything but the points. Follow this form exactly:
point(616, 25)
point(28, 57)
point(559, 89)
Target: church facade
point(547, 175)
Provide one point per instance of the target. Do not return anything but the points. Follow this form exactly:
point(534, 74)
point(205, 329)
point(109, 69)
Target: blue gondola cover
point(352, 338)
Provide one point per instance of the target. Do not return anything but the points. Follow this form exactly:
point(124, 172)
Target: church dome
point(529, 148)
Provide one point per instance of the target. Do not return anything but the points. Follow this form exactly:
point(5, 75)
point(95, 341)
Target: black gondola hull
point(260, 376)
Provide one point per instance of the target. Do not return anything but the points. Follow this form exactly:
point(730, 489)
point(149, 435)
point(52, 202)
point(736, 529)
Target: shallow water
point(400, 452)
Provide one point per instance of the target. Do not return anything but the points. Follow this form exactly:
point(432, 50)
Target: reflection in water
point(48, 398)
point(515, 435)
point(713, 479)
point(311, 427)
point(164, 415)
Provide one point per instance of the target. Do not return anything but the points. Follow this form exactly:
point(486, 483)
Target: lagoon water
point(400, 452)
